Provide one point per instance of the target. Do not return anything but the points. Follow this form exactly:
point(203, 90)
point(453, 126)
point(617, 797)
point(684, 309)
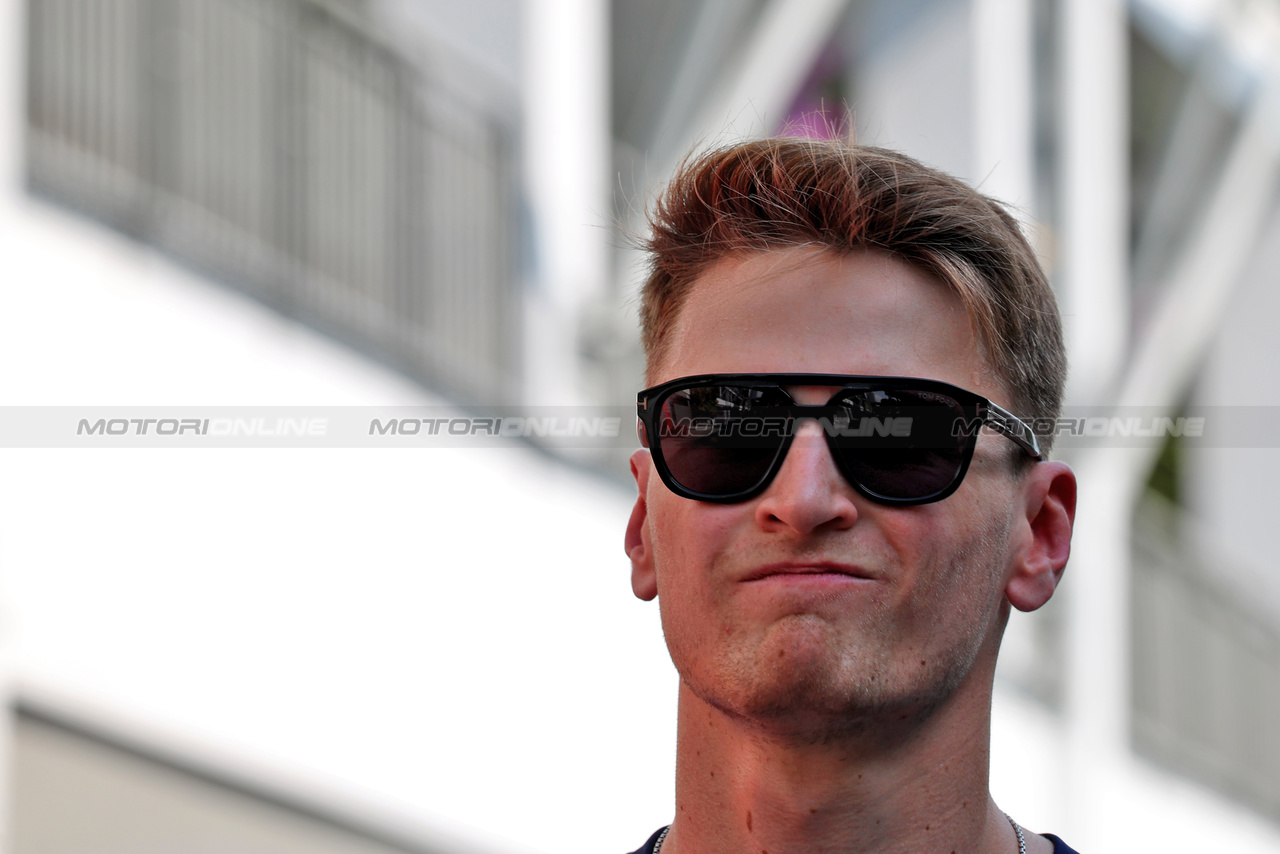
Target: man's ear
point(644, 580)
point(1050, 511)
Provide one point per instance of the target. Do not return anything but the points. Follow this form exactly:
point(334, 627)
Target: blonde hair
point(777, 193)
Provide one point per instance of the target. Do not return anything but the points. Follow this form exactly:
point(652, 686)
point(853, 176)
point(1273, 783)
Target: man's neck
point(747, 788)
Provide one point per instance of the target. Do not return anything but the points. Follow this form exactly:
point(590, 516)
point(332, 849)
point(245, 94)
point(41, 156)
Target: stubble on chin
point(808, 680)
point(806, 683)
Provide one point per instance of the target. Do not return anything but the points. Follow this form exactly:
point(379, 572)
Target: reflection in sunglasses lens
point(913, 449)
point(722, 441)
point(714, 439)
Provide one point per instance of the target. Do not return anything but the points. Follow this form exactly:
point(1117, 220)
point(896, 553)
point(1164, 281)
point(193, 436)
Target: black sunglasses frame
point(977, 410)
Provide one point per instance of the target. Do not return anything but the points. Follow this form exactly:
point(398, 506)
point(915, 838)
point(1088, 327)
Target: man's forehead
point(818, 310)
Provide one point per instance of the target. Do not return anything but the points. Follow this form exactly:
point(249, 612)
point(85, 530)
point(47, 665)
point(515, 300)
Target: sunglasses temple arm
point(1014, 427)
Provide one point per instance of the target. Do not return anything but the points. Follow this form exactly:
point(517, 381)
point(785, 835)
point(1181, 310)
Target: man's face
point(809, 604)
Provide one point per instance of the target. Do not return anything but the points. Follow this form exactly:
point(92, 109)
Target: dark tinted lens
point(721, 440)
point(899, 443)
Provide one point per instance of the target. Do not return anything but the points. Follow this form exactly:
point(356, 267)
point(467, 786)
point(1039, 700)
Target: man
point(835, 557)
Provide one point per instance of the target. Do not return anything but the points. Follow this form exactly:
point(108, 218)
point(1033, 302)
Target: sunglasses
point(899, 441)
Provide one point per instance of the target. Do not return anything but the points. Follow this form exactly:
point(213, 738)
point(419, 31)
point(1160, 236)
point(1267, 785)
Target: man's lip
point(808, 568)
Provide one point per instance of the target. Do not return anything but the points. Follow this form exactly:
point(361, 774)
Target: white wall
point(441, 639)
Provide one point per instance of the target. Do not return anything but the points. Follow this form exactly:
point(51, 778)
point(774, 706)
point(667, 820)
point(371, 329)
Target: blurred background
point(369, 203)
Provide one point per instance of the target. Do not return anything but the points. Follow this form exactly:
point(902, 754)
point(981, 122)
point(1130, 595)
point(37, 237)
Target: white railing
point(1206, 666)
point(284, 149)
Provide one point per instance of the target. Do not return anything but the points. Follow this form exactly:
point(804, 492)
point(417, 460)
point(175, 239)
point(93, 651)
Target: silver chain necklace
point(1022, 843)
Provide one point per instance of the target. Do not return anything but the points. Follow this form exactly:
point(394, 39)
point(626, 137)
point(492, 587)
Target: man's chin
point(814, 715)
point(810, 695)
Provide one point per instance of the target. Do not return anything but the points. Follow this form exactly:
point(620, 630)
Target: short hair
point(779, 193)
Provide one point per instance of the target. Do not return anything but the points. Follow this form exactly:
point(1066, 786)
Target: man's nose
point(808, 493)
